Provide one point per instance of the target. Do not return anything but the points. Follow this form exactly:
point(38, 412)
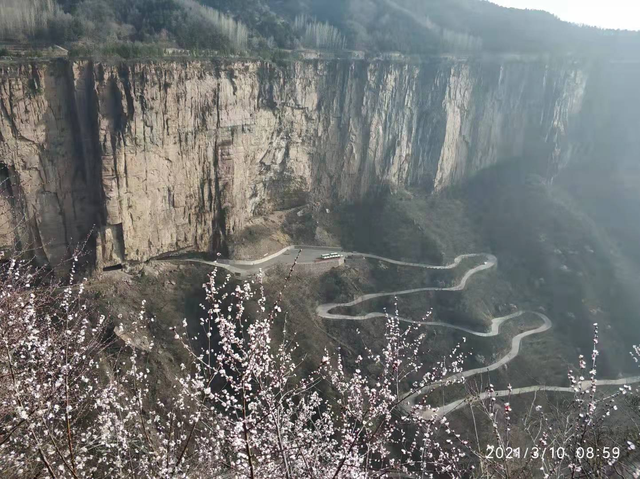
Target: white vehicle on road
point(330, 256)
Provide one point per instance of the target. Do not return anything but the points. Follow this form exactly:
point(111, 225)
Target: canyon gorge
point(150, 158)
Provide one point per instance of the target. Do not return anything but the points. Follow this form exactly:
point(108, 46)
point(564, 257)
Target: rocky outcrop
point(168, 156)
point(47, 183)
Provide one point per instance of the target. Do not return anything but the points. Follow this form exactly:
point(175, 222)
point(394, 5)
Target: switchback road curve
point(310, 254)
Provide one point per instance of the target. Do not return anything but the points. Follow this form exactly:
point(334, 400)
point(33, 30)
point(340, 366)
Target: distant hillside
point(419, 27)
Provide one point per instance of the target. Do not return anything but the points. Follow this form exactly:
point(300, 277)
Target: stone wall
point(319, 267)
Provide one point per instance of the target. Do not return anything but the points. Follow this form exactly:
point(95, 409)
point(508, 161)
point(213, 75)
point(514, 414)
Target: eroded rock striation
point(169, 156)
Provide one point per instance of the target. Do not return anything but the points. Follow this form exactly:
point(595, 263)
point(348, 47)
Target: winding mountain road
point(324, 309)
point(454, 405)
point(311, 254)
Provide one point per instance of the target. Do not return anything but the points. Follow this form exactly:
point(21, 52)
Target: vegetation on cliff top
point(422, 27)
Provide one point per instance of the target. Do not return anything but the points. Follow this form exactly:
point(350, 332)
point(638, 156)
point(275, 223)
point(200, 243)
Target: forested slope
point(419, 27)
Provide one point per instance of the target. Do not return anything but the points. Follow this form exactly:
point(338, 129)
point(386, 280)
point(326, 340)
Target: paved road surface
point(284, 257)
point(324, 309)
point(312, 253)
point(452, 406)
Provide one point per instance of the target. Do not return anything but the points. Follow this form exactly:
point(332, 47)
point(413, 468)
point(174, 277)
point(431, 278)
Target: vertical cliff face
point(172, 156)
point(48, 188)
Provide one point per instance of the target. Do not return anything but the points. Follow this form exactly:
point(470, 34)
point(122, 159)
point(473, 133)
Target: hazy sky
point(622, 14)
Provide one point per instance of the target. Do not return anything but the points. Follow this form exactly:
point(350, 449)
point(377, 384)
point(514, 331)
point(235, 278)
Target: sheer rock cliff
point(152, 158)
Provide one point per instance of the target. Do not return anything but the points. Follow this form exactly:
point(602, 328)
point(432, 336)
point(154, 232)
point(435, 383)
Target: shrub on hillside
point(240, 406)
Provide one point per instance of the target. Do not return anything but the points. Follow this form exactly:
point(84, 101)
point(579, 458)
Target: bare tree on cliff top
point(235, 31)
point(25, 18)
point(319, 35)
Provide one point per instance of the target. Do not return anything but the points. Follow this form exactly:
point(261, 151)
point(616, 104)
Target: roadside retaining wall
point(319, 267)
point(264, 259)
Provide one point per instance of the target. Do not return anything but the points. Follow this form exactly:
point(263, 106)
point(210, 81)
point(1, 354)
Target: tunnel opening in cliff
point(9, 238)
point(117, 267)
point(6, 189)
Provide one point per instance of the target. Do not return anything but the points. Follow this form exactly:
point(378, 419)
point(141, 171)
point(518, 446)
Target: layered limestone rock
point(163, 157)
point(45, 180)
